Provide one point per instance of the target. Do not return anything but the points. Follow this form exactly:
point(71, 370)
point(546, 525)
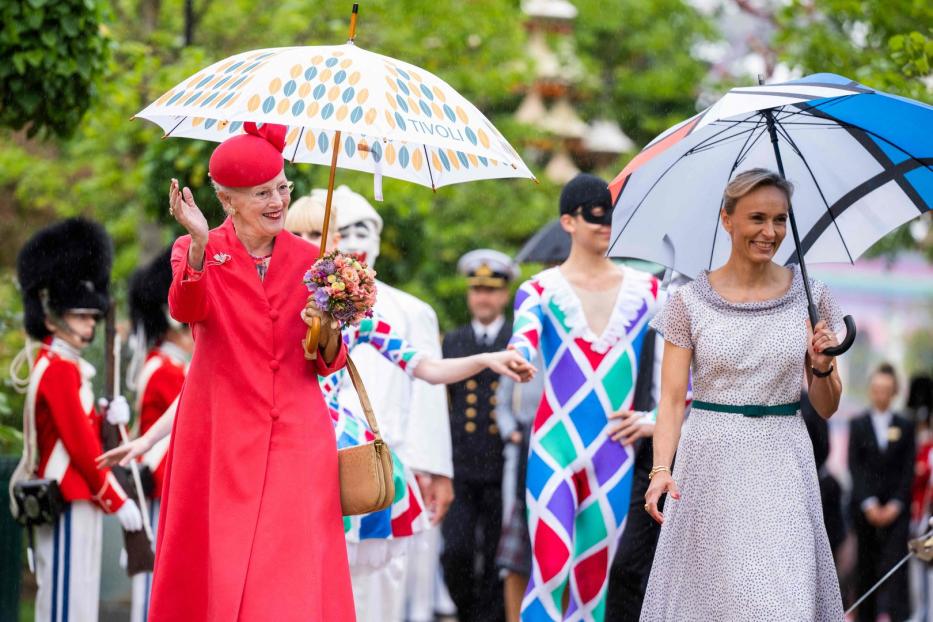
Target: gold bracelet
point(655, 470)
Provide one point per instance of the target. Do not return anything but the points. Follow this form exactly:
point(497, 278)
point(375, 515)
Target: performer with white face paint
point(412, 416)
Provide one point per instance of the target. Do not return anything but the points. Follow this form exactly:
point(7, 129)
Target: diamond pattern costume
point(406, 515)
point(578, 479)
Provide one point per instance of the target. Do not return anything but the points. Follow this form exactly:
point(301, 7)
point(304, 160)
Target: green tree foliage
point(648, 80)
point(884, 44)
point(54, 53)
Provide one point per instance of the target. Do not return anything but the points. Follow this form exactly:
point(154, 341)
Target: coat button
point(470, 427)
point(471, 413)
point(471, 398)
point(273, 315)
point(493, 429)
point(493, 401)
point(471, 384)
point(274, 413)
point(274, 365)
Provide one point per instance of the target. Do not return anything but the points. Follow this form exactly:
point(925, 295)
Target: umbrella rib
point(298, 144)
point(738, 158)
point(656, 182)
point(783, 132)
point(427, 161)
point(705, 146)
point(169, 133)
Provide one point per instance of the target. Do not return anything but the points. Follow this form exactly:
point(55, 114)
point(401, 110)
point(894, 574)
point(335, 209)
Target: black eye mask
point(591, 214)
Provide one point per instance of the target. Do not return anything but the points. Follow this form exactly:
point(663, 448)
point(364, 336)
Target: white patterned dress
point(746, 540)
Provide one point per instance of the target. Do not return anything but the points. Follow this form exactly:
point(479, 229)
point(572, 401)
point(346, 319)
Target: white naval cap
point(485, 267)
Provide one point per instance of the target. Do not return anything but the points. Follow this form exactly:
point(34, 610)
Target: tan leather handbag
point(366, 483)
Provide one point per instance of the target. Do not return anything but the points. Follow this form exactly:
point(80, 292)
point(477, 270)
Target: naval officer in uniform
point(474, 522)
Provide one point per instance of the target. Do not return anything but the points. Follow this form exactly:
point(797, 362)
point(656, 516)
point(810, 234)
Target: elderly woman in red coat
point(251, 525)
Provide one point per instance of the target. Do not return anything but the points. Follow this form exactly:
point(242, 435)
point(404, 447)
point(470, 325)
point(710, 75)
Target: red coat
point(251, 526)
point(159, 384)
point(68, 430)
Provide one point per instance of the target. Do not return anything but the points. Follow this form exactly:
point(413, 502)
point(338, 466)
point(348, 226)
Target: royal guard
point(474, 523)
point(63, 274)
point(167, 345)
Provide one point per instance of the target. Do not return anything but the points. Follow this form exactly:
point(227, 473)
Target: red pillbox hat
point(249, 159)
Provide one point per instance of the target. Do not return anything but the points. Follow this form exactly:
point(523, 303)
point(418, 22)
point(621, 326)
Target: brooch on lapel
point(219, 259)
point(894, 434)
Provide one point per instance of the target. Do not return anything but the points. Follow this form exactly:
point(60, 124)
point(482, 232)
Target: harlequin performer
point(474, 523)
point(63, 273)
point(412, 416)
point(157, 384)
point(251, 525)
point(587, 317)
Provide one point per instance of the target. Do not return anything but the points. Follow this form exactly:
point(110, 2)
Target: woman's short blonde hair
point(752, 179)
point(307, 214)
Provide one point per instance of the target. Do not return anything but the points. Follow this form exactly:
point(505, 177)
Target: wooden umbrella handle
point(312, 339)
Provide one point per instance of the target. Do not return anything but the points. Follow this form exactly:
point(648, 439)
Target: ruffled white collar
point(634, 292)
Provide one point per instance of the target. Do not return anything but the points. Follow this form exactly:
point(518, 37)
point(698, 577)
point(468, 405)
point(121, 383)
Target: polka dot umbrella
point(345, 107)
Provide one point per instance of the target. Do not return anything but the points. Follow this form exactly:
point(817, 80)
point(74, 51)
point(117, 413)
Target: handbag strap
point(364, 398)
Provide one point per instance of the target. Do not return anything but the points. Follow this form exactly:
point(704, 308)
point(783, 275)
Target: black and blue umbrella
point(861, 162)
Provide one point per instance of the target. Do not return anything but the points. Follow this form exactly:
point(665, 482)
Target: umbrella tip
point(535, 179)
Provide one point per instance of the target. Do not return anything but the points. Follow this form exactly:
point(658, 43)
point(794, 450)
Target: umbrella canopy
point(860, 161)
point(395, 119)
point(550, 245)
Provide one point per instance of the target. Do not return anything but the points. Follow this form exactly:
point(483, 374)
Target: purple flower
point(321, 298)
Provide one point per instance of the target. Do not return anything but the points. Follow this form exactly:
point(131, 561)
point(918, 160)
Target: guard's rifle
point(138, 544)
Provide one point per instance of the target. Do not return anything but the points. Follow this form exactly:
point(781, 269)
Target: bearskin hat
point(148, 296)
point(63, 267)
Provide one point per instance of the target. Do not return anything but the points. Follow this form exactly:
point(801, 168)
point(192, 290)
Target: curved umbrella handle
point(847, 342)
point(312, 339)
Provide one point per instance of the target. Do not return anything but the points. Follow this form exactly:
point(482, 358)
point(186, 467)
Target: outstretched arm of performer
point(400, 352)
point(445, 371)
point(128, 452)
point(675, 374)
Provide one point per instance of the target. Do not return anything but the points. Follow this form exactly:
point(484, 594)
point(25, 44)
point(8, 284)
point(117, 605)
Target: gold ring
point(646, 508)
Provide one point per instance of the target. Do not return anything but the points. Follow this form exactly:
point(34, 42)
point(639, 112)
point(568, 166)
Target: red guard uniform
point(67, 432)
point(65, 268)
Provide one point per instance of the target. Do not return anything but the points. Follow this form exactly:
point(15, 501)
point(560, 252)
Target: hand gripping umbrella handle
point(847, 342)
point(312, 339)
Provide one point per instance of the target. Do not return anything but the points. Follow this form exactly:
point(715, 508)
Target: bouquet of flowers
point(343, 286)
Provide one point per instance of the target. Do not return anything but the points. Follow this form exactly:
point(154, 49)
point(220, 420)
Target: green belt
point(751, 410)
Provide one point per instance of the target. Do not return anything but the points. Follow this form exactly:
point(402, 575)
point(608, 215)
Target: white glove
point(129, 516)
point(118, 411)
